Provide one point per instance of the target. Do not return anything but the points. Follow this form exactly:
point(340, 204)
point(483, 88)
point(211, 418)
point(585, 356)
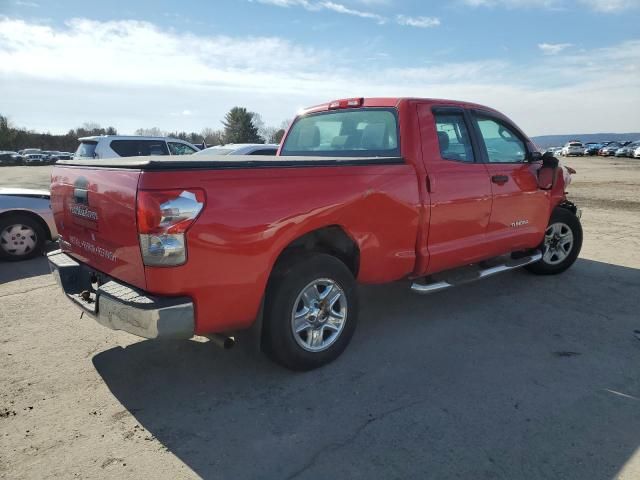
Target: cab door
point(459, 190)
point(520, 210)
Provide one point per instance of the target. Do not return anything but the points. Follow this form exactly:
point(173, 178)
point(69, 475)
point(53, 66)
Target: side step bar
point(511, 264)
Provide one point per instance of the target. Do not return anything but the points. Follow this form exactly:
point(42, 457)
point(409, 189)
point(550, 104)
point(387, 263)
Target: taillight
point(164, 216)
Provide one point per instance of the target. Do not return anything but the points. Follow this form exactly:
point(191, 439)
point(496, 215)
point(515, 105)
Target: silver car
point(241, 149)
point(627, 150)
point(26, 223)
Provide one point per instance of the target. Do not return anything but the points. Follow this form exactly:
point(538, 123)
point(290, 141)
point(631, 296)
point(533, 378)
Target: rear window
point(575, 144)
point(366, 132)
point(139, 148)
point(86, 149)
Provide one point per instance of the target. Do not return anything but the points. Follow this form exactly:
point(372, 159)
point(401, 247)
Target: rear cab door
point(520, 210)
point(459, 188)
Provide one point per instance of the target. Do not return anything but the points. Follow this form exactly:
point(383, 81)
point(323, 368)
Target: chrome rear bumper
point(121, 307)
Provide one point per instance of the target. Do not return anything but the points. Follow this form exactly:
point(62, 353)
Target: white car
point(241, 149)
point(26, 223)
point(636, 153)
point(114, 146)
point(573, 148)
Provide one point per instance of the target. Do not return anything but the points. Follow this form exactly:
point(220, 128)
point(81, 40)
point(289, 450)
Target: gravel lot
point(514, 377)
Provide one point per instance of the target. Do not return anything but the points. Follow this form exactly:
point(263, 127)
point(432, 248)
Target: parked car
point(34, 159)
point(359, 192)
point(573, 148)
point(29, 150)
point(636, 153)
point(609, 150)
point(114, 146)
point(26, 223)
point(240, 149)
point(551, 150)
point(592, 148)
point(10, 158)
point(48, 156)
point(627, 150)
point(557, 151)
point(62, 156)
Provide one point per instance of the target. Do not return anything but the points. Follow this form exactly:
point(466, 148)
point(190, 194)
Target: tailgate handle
point(81, 196)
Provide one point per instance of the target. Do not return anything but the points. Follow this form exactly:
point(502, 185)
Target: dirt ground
point(516, 376)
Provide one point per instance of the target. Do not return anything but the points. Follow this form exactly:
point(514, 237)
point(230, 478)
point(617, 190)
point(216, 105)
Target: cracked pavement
point(516, 376)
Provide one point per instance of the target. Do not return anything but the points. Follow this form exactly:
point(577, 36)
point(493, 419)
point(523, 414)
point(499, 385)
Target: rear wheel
point(561, 245)
point(311, 311)
point(21, 237)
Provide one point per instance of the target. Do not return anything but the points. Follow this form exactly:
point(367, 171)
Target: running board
point(480, 272)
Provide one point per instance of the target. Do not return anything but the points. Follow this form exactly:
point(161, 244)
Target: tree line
point(239, 126)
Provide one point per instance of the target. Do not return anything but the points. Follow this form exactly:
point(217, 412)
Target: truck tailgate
point(95, 213)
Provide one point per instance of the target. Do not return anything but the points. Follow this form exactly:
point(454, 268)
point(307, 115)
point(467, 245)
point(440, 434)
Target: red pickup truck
point(362, 191)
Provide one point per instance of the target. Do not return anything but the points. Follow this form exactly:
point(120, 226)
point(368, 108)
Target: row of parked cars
point(604, 149)
point(33, 156)
point(113, 146)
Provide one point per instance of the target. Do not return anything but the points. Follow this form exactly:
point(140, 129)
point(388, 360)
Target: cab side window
point(453, 137)
point(502, 143)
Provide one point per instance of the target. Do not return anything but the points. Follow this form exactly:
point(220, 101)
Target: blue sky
point(554, 66)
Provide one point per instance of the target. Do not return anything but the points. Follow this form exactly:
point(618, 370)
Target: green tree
point(212, 137)
point(239, 127)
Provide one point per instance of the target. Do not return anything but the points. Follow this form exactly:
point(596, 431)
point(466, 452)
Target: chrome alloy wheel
point(319, 315)
point(18, 240)
point(558, 243)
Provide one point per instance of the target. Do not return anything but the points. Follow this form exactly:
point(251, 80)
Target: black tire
point(289, 279)
point(546, 266)
point(38, 232)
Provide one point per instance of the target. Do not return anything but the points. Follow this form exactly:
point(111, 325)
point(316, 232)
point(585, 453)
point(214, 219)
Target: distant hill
point(545, 141)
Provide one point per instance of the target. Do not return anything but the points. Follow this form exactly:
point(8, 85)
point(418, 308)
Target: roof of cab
point(395, 102)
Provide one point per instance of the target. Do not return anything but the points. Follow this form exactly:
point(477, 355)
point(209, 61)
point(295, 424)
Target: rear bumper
point(119, 306)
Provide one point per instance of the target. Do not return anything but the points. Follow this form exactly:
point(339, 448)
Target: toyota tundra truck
point(362, 191)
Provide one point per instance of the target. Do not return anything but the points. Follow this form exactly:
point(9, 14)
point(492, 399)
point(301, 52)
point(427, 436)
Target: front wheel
point(561, 245)
point(311, 310)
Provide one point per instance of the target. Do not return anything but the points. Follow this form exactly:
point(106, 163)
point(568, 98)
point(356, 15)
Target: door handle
point(500, 179)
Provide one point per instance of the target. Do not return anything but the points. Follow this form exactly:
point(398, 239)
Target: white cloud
point(611, 5)
point(130, 74)
point(324, 5)
point(320, 5)
point(337, 7)
point(512, 3)
point(607, 6)
point(553, 48)
point(419, 22)
point(26, 3)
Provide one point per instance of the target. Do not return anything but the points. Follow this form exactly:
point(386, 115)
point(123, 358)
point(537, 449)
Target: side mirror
point(534, 156)
point(548, 160)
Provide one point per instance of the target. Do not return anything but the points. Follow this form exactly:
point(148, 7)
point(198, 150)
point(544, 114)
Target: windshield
point(367, 132)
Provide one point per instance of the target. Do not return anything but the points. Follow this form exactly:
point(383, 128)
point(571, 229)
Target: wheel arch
point(330, 239)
